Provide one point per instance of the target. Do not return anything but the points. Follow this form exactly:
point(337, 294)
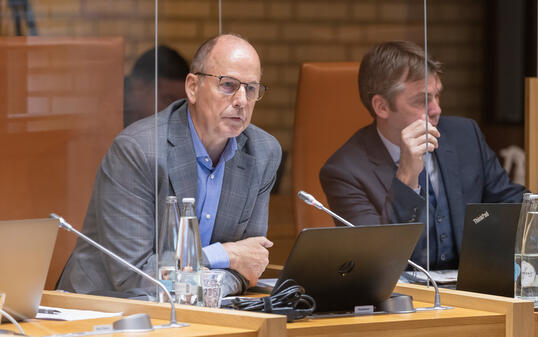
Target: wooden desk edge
point(263, 324)
point(519, 313)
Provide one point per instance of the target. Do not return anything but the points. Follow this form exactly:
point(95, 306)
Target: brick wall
point(286, 33)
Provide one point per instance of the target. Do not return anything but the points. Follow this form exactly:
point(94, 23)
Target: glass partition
point(287, 35)
point(75, 73)
point(62, 103)
point(486, 49)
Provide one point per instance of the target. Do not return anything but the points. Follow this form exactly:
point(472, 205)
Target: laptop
point(345, 267)
point(487, 252)
point(25, 252)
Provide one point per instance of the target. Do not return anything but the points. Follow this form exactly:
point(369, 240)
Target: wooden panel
point(263, 324)
point(47, 328)
point(61, 104)
point(473, 315)
point(531, 133)
point(519, 314)
point(460, 321)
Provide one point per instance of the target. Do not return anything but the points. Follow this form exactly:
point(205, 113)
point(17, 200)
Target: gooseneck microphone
point(129, 324)
point(310, 200)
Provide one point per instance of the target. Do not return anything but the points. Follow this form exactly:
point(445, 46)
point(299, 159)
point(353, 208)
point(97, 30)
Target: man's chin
point(232, 132)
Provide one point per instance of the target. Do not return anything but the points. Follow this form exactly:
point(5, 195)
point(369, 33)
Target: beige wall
point(287, 33)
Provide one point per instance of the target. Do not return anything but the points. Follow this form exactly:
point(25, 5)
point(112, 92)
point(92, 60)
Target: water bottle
point(189, 257)
point(166, 248)
point(526, 250)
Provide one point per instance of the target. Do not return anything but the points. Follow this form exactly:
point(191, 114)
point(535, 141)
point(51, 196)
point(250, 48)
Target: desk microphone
point(309, 199)
point(137, 322)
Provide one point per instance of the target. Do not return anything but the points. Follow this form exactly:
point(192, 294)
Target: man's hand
point(249, 257)
point(412, 147)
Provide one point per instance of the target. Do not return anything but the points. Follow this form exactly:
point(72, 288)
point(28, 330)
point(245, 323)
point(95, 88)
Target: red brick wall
point(286, 33)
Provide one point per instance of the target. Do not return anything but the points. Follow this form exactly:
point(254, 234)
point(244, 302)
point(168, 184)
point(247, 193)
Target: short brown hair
point(386, 67)
point(200, 57)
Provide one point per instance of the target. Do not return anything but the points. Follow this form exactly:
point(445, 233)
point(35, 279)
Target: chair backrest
point(61, 105)
point(327, 113)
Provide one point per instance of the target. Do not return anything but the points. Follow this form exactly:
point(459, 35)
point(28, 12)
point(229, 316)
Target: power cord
point(12, 320)
point(288, 299)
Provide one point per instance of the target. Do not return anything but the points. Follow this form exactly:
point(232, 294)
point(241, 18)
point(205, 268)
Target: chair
point(61, 104)
point(327, 113)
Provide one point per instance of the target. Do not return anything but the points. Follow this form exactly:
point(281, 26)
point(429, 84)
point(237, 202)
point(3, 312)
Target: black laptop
point(487, 252)
point(345, 267)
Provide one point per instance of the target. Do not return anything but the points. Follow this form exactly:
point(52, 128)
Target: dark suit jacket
point(361, 185)
point(121, 214)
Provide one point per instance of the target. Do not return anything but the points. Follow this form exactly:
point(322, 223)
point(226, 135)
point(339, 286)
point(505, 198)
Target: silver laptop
point(344, 267)
point(25, 252)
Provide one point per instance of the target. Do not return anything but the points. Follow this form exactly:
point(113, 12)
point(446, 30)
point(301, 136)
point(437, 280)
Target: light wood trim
point(275, 267)
point(47, 328)
point(531, 133)
point(519, 314)
point(265, 324)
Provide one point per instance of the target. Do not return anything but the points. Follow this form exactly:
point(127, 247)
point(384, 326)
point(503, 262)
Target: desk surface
point(473, 315)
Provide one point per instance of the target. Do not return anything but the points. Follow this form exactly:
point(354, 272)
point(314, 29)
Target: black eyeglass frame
point(262, 89)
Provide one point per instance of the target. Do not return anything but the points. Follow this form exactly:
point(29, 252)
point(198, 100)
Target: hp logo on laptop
point(346, 268)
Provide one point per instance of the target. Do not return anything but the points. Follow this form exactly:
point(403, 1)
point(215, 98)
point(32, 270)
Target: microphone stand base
point(171, 325)
point(441, 307)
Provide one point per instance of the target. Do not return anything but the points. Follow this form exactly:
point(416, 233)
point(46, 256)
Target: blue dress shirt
point(209, 187)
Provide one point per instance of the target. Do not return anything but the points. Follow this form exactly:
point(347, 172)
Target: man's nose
point(434, 107)
point(240, 97)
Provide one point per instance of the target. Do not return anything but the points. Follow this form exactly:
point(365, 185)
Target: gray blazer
point(121, 213)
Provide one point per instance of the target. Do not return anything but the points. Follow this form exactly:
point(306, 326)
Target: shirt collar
point(201, 152)
point(394, 150)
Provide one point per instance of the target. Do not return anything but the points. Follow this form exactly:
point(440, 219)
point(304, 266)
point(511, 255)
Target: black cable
point(288, 299)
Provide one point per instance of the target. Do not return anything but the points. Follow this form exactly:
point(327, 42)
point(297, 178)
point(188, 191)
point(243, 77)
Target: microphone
point(309, 199)
point(135, 322)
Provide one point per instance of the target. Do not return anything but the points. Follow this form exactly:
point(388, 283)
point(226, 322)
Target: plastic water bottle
point(166, 247)
point(526, 251)
point(189, 257)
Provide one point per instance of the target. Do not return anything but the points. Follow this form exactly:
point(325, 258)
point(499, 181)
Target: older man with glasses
point(204, 147)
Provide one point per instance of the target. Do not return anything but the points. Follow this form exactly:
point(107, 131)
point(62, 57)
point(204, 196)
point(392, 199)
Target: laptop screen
point(25, 252)
point(344, 267)
point(487, 253)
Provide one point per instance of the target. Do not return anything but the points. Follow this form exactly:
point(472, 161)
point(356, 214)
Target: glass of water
point(212, 287)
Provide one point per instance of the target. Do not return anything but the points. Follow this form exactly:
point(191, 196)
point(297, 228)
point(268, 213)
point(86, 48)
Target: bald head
point(229, 45)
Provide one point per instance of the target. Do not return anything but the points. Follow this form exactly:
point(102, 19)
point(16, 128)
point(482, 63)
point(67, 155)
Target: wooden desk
point(473, 315)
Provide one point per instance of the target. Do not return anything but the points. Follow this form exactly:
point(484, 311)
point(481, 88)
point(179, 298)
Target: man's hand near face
point(249, 257)
point(412, 148)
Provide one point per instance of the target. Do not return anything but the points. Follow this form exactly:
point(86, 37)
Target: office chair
point(327, 113)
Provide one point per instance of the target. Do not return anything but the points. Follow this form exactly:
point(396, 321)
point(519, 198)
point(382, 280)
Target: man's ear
point(192, 83)
point(381, 106)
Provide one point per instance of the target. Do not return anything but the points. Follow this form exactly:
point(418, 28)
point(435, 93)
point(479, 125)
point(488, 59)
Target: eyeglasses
point(229, 85)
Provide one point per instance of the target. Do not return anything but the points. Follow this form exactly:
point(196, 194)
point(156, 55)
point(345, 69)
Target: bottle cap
point(171, 198)
point(188, 200)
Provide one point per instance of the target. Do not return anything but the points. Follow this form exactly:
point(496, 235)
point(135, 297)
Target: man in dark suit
point(378, 175)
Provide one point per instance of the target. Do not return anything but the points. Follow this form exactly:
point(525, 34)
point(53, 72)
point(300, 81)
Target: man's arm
point(497, 184)
point(124, 210)
point(250, 256)
point(358, 197)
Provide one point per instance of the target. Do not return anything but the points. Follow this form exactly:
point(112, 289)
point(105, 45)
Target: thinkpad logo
point(481, 217)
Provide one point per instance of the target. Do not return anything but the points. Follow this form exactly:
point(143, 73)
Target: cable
point(12, 320)
point(288, 299)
